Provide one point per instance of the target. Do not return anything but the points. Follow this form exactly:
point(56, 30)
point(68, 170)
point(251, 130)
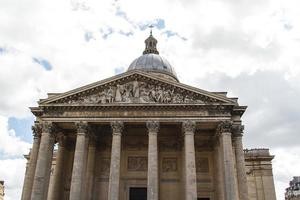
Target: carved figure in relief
point(136, 89)
point(140, 92)
point(169, 164)
point(137, 164)
point(110, 96)
point(118, 96)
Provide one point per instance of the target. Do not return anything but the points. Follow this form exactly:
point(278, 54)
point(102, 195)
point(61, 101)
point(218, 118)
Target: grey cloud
point(273, 116)
point(234, 41)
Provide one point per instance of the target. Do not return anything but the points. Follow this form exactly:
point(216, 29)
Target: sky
point(249, 48)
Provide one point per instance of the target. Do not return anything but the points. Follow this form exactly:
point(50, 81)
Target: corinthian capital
point(61, 138)
point(117, 126)
point(188, 126)
point(36, 130)
point(82, 127)
point(48, 127)
point(238, 129)
point(153, 126)
point(224, 126)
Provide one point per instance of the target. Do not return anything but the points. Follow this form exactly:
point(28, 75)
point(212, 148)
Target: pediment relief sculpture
point(139, 92)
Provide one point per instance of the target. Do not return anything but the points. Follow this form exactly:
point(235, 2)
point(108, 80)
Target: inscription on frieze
point(136, 144)
point(169, 145)
point(137, 163)
point(138, 92)
point(202, 165)
point(169, 164)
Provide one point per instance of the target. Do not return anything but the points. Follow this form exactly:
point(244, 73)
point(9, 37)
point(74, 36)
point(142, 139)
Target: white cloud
point(249, 48)
point(10, 144)
point(12, 171)
point(12, 163)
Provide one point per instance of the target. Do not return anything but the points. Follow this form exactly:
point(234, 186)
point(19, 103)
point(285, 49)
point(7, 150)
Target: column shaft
point(90, 170)
point(224, 131)
point(152, 181)
point(55, 191)
point(29, 176)
point(114, 175)
point(44, 161)
point(189, 163)
point(240, 167)
point(79, 163)
point(219, 172)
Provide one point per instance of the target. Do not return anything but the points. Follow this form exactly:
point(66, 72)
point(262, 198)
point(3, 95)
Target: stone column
point(29, 176)
point(79, 162)
point(190, 183)
point(218, 171)
point(55, 191)
point(44, 161)
point(240, 162)
point(152, 181)
point(89, 177)
point(114, 175)
point(224, 131)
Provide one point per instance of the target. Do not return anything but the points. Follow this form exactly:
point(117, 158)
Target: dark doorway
point(137, 193)
point(202, 198)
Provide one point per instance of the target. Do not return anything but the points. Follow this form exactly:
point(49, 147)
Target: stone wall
point(1, 190)
point(259, 174)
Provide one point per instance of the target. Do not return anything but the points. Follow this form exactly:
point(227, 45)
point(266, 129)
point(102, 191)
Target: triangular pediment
point(136, 87)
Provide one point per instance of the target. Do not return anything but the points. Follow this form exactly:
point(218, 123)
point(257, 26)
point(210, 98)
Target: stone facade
point(140, 135)
point(1, 190)
point(259, 174)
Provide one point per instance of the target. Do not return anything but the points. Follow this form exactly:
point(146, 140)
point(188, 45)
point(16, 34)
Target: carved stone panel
point(137, 163)
point(202, 165)
point(138, 92)
point(169, 165)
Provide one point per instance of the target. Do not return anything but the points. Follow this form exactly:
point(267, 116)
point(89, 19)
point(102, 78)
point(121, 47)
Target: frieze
point(138, 92)
point(169, 145)
point(137, 163)
point(136, 144)
point(169, 165)
point(202, 145)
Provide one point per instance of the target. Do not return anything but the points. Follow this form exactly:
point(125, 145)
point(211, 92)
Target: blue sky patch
point(157, 23)
point(170, 33)
point(126, 33)
point(106, 32)
point(119, 70)
point(88, 36)
point(22, 127)
point(2, 50)
point(44, 63)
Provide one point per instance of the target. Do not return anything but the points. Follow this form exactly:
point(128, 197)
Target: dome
point(152, 62)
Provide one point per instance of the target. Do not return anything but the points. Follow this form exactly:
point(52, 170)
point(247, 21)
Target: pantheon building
point(143, 135)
